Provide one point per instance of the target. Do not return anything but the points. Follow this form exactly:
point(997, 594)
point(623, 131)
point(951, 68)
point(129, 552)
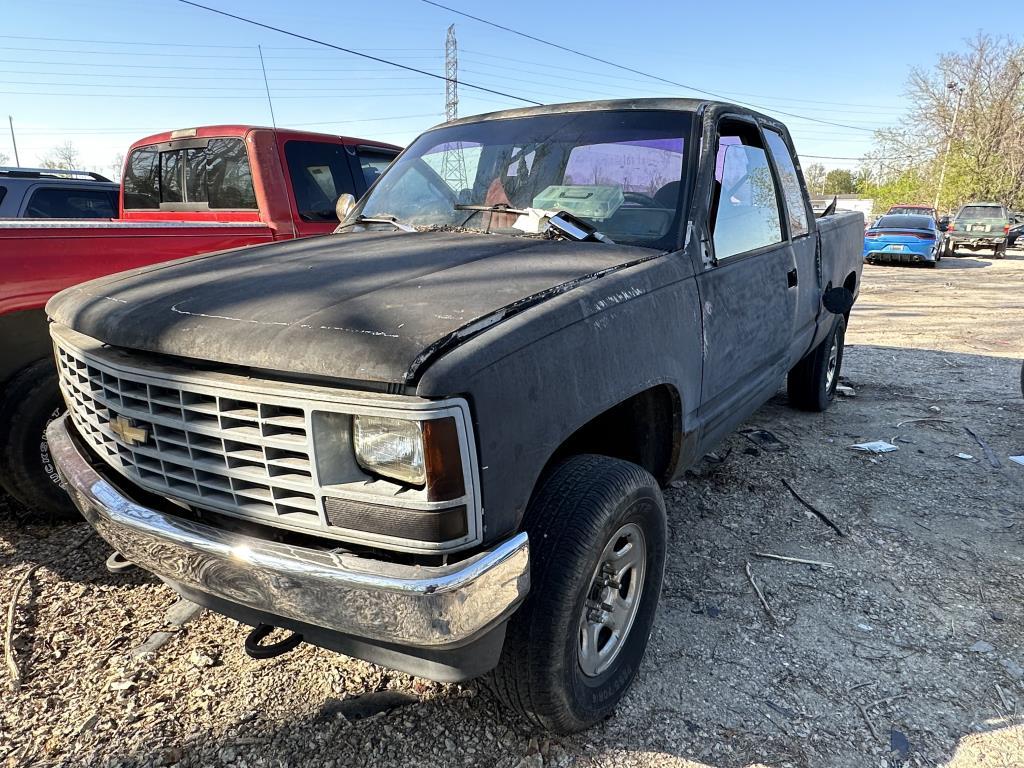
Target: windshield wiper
point(377, 220)
point(495, 208)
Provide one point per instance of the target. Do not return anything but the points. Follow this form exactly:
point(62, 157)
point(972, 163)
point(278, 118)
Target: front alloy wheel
point(597, 555)
point(613, 599)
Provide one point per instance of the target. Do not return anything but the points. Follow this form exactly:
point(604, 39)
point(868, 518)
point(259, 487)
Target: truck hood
point(372, 306)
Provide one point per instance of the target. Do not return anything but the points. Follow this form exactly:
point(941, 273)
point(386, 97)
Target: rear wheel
point(597, 553)
point(812, 382)
point(1000, 252)
point(31, 400)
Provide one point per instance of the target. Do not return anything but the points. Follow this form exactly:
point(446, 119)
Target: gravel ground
point(906, 650)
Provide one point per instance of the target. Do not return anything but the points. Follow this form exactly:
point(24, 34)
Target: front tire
point(812, 382)
point(597, 555)
point(31, 400)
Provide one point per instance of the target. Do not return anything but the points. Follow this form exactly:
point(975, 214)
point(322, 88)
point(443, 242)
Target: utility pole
point(949, 139)
point(453, 166)
point(10, 122)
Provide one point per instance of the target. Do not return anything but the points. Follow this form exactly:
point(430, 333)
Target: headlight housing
point(390, 448)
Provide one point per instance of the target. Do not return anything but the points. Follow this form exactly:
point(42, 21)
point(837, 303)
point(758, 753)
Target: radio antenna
point(266, 85)
point(273, 123)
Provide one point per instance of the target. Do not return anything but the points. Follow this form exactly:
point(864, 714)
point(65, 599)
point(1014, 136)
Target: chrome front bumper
point(416, 606)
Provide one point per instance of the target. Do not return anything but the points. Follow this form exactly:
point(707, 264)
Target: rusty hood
point(373, 306)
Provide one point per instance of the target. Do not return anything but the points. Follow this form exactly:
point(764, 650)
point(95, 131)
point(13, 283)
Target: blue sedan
point(904, 239)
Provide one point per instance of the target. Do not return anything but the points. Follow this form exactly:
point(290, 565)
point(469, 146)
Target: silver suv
point(42, 193)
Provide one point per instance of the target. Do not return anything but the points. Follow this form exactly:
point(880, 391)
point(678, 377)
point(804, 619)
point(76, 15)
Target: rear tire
point(812, 382)
point(1000, 252)
point(31, 400)
point(591, 515)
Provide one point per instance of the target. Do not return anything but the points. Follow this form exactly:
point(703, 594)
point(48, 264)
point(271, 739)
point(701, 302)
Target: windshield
point(982, 212)
point(902, 221)
point(620, 172)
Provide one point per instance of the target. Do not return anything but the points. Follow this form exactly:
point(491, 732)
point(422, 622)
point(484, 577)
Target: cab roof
point(608, 105)
point(240, 131)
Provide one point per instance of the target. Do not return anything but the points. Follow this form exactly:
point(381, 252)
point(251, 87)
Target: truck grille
point(241, 456)
point(268, 451)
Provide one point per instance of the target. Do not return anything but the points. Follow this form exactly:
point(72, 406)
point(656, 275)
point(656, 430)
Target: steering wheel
point(639, 198)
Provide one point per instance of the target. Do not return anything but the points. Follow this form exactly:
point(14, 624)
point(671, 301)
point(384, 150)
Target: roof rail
point(51, 173)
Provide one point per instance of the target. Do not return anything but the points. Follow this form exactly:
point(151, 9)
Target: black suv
point(42, 193)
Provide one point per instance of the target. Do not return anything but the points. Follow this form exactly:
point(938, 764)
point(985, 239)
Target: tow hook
point(255, 648)
point(118, 563)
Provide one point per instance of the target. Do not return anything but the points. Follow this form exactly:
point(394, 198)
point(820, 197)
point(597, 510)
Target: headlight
point(390, 447)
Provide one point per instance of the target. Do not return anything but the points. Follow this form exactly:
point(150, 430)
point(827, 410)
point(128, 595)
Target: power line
point(206, 87)
point(630, 69)
point(131, 66)
point(286, 124)
point(117, 42)
point(390, 94)
point(833, 157)
point(36, 49)
point(485, 59)
point(183, 45)
point(579, 82)
point(354, 53)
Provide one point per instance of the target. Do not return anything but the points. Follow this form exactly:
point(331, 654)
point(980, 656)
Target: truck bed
point(40, 257)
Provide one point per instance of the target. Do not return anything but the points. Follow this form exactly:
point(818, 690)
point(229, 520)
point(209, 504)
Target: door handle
point(791, 278)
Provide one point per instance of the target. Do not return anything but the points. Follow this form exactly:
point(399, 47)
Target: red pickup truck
point(183, 193)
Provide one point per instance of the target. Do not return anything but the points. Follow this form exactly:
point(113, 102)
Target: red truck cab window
point(320, 172)
point(203, 174)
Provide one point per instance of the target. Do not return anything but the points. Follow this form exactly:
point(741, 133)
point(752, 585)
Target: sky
point(103, 73)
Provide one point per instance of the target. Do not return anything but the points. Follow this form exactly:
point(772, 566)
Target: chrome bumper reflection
point(418, 606)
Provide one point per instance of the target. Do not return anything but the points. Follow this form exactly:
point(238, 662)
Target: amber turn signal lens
point(445, 479)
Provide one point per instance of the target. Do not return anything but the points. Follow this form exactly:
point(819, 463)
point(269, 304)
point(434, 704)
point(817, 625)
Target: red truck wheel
point(30, 401)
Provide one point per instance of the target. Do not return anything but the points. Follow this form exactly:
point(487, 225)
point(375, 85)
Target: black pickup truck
point(437, 438)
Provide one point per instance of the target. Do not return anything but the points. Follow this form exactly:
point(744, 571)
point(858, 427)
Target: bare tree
point(116, 166)
point(64, 156)
point(973, 102)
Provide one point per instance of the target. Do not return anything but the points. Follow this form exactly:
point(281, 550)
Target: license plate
point(978, 228)
point(896, 248)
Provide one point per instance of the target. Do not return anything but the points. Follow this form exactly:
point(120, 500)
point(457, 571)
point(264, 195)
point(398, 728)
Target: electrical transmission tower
point(453, 168)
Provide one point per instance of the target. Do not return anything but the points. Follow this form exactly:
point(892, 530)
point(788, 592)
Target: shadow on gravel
point(963, 262)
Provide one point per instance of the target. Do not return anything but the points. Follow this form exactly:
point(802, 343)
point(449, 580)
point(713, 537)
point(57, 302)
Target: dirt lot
point(907, 650)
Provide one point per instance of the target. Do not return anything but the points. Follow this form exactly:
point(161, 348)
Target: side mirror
point(344, 206)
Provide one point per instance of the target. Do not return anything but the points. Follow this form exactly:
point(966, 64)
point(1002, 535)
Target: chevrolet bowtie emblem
point(127, 431)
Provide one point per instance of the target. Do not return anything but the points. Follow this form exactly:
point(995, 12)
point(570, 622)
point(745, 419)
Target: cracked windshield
point(619, 172)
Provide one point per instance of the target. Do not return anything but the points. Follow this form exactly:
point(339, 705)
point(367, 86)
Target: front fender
point(534, 380)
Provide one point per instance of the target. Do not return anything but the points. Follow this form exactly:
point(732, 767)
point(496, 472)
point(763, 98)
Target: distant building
point(844, 203)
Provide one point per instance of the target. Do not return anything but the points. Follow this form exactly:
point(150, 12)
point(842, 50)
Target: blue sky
point(111, 71)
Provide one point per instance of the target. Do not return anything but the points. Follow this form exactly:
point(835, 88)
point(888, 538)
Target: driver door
point(748, 294)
